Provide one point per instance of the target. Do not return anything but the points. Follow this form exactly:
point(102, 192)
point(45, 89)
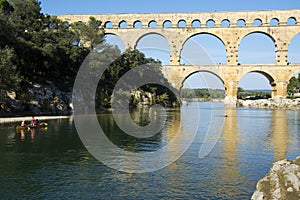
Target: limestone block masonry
point(230, 27)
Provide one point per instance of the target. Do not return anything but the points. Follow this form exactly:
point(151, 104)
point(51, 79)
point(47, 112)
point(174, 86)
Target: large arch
point(200, 79)
point(258, 80)
point(294, 49)
point(114, 40)
point(203, 48)
point(154, 45)
point(257, 48)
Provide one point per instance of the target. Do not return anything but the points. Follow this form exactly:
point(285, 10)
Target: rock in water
point(282, 182)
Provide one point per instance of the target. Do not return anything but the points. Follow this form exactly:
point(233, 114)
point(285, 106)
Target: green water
point(54, 164)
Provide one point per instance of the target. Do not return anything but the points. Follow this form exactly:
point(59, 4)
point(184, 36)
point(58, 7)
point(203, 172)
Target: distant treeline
point(203, 93)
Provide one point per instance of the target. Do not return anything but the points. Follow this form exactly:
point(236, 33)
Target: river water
point(54, 164)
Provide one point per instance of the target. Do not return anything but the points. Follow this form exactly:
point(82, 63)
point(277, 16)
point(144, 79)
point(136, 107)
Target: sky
point(213, 48)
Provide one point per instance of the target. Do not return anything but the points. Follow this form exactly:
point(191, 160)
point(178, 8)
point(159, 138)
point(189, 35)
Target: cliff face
point(282, 182)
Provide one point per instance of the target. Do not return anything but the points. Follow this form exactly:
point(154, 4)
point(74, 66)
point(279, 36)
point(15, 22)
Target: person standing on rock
point(32, 122)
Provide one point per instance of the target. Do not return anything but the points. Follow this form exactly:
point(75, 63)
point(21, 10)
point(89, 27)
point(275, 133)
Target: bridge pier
point(231, 88)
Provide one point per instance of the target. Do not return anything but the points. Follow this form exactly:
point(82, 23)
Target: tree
point(9, 77)
point(90, 33)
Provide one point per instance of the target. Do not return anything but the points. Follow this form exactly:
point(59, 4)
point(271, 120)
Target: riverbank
point(282, 182)
point(279, 103)
point(19, 119)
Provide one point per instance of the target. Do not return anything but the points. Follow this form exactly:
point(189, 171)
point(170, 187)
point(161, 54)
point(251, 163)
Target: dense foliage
point(294, 85)
point(39, 48)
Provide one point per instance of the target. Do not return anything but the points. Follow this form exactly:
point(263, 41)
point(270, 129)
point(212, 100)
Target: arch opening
point(210, 23)
point(123, 24)
point(154, 46)
point(257, 22)
point(167, 24)
point(291, 21)
point(225, 23)
point(257, 48)
point(152, 24)
point(256, 85)
point(241, 22)
point(203, 48)
point(108, 24)
point(181, 24)
point(137, 24)
point(274, 22)
point(114, 40)
point(294, 49)
point(202, 86)
point(196, 23)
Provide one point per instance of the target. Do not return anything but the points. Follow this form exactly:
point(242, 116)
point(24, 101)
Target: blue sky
point(58, 7)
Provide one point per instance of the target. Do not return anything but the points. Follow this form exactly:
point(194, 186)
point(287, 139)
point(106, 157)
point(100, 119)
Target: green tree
point(9, 77)
point(90, 33)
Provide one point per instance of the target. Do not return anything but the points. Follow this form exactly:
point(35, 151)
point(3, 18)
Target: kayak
point(40, 125)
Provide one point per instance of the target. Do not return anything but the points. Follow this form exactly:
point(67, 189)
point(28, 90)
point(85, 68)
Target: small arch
point(108, 24)
point(210, 23)
point(225, 23)
point(274, 22)
point(291, 21)
point(241, 22)
point(152, 24)
point(123, 24)
point(181, 23)
point(167, 24)
point(137, 24)
point(196, 23)
point(257, 22)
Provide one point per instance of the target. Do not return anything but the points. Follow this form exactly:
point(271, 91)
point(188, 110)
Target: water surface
point(54, 164)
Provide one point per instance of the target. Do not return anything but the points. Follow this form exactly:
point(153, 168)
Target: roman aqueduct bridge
point(229, 27)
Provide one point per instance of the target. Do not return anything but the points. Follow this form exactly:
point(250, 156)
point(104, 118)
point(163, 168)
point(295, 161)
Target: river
point(54, 164)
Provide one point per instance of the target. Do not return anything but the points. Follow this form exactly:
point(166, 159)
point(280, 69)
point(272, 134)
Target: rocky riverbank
point(282, 182)
point(280, 103)
point(38, 99)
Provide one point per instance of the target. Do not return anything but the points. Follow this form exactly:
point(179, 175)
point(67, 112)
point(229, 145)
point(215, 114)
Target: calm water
point(53, 163)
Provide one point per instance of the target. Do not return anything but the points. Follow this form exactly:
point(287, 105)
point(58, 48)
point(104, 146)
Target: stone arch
point(159, 44)
point(257, 22)
point(114, 40)
point(123, 24)
point(205, 52)
point(241, 22)
point(210, 23)
point(267, 75)
point(167, 24)
point(293, 49)
point(137, 24)
point(274, 22)
point(181, 23)
point(291, 21)
point(152, 24)
point(225, 23)
point(189, 74)
point(196, 23)
point(268, 36)
point(108, 24)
